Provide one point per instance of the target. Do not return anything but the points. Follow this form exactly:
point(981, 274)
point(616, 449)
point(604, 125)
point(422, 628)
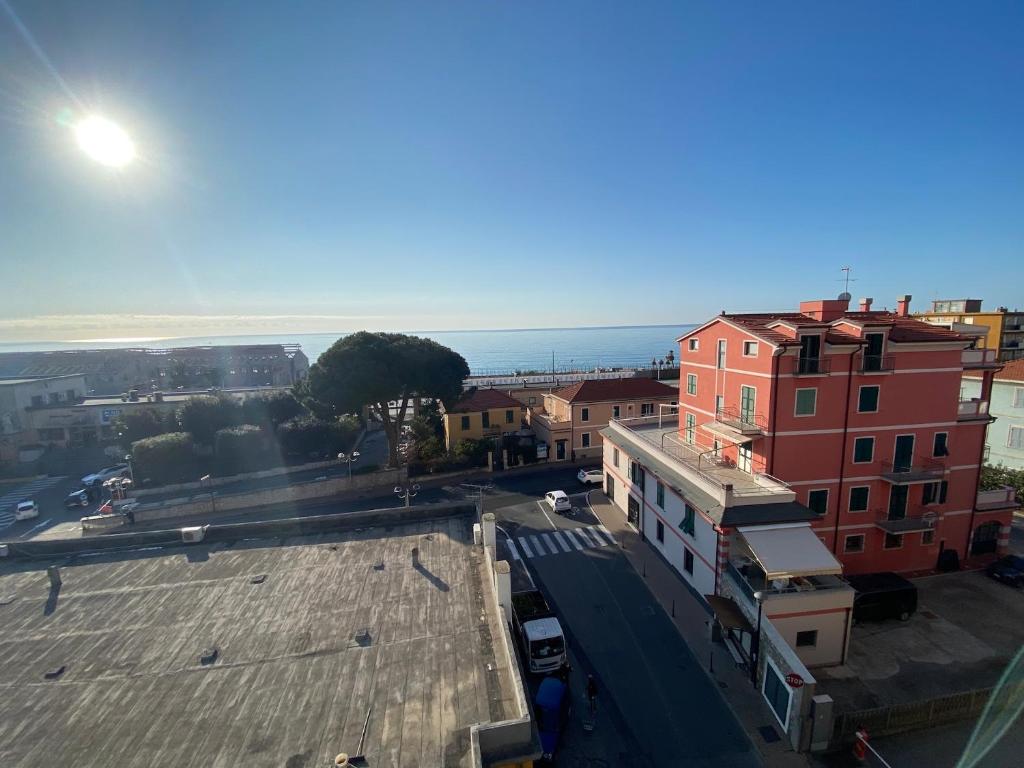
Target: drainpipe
point(775, 407)
point(842, 456)
point(981, 459)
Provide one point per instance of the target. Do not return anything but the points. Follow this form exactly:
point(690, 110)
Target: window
point(615, 411)
point(689, 516)
point(720, 360)
point(465, 423)
point(818, 500)
point(806, 402)
point(687, 560)
point(750, 349)
point(661, 495)
point(609, 488)
point(647, 409)
point(776, 692)
point(691, 424)
point(859, 498)
point(693, 345)
point(510, 417)
point(615, 458)
point(486, 418)
point(52, 433)
point(584, 414)
point(893, 541)
point(636, 474)
point(585, 440)
point(691, 383)
point(748, 397)
point(940, 446)
point(533, 401)
point(934, 493)
point(1015, 438)
point(660, 532)
point(1018, 397)
point(867, 400)
point(854, 543)
point(863, 450)
point(927, 538)
point(808, 638)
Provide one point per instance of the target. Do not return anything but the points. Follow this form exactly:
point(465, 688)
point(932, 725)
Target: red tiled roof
point(902, 329)
point(596, 390)
point(1013, 370)
point(476, 400)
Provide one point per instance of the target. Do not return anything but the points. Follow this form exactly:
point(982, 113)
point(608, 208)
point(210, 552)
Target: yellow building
point(1004, 329)
point(482, 413)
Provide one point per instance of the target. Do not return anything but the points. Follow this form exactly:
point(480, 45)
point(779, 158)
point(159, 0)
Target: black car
point(1009, 570)
point(77, 499)
point(882, 596)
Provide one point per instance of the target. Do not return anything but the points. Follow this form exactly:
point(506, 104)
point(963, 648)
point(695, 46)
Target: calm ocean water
point(487, 352)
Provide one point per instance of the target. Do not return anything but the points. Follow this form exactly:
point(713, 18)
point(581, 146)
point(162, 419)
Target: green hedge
point(165, 459)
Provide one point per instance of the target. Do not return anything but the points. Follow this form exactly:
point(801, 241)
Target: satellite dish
point(845, 296)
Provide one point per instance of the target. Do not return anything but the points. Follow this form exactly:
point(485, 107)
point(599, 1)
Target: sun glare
point(104, 141)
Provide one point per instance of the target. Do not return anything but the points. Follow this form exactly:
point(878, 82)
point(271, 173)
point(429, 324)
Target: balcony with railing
point(916, 470)
point(812, 366)
point(876, 363)
point(972, 359)
point(743, 422)
point(899, 524)
point(695, 457)
point(974, 409)
point(996, 498)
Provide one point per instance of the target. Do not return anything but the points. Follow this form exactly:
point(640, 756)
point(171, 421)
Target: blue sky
point(339, 165)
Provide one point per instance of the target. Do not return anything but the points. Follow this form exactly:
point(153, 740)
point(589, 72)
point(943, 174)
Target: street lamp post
point(755, 648)
point(480, 494)
point(131, 469)
point(213, 495)
point(348, 458)
point(407, 492)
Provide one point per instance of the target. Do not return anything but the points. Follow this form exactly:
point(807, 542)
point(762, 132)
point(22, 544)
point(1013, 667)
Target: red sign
point(793, 680)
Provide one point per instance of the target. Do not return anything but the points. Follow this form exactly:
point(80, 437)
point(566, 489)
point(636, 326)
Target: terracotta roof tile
point(1013, 370)
point(475, 400)
point(596, 390)
point(903, 329)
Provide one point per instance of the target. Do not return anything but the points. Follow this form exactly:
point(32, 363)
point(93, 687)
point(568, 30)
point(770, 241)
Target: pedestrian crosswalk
point(559, 542)
point(10, 499)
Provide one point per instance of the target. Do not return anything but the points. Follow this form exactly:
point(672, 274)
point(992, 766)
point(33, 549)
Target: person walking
point(592, 694)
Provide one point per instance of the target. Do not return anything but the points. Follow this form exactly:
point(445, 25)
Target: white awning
point(784, 551)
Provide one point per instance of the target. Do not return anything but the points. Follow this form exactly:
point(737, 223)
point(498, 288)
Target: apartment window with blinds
point(854, 543)
point(806, 402)
point(1015, 438)
point(661, 495)
point(691, 383)
point(691, 425)
point(693, 345)
point(689, 519)
point(1018, 397)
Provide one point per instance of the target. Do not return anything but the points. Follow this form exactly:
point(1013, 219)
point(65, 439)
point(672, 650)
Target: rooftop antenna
point(846, 280)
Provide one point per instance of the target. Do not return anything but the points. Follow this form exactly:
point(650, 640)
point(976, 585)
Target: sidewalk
point(691, 619)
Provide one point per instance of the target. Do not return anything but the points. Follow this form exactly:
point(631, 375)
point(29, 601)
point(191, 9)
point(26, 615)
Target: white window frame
point(935, 435)
point(721, 354)
point(1018, 397)
point(1009, 436)
point(615, 457)
point(900, 536)
point(691, 377)
point(689, 428)
point(796, 402)
point(849, 500)
point(785, 687)
point(584, 440)
point(584, 414)
point(750, 345)
point(827, 499)
point(878, 400)
point(924, 543)
point(693, 345)
point(853, 457)
point(846, 541)
point(615, 411)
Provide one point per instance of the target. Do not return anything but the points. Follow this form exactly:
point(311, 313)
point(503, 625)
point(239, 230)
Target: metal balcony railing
point(916, 470)
point(877, 363)
point(905, 523)
point(975, 408)
point(812, 366)
point(743, 421)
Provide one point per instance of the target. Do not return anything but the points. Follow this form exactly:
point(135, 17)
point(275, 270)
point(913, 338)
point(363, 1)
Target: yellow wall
point(454, 431)
point(598, 416)
point(991, 320)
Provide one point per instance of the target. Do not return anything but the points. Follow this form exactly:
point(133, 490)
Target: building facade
point(481, 414)
point(1003, 329)
point(860, 414)
point(1005, 438)
point(571, 419)
point(21, 399)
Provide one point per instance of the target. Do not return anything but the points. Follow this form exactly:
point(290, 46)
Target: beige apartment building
point(570, 419)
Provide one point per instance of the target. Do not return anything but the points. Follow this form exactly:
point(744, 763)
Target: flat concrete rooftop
point(316, 636)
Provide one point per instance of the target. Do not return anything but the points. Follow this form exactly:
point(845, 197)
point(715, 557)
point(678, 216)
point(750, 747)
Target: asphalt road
point(48, 493)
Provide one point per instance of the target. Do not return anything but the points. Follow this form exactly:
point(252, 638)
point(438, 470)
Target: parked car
point(882, 596)
point(79, 498)
point(1009, 570)
point(591, 476)
point(553, 705)
point(26, 510)
point(558, 501)
point(102, 475)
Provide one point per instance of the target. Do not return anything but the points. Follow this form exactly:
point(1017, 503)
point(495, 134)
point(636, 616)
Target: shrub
point(471, 452)
point(271, 409)
point(996, 476)
point(140, 423)
point(206, 415)
point(242, 449)
point(167, 458)
point(309, 437)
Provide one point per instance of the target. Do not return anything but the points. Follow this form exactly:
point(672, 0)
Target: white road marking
point(30, 531)
point(512, 548)
point(582, 533)
point(561, 541)
point(571, 536)
point(606, 532)
point(597, 536)
point(537, 546)
point(544, 509)
point(549, 543)
point(526, 547)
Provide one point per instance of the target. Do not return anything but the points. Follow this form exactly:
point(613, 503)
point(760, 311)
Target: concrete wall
point(216, 482)
point(1007, 415)
point(598, 414)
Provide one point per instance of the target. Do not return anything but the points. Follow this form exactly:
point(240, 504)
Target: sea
point(492, 352)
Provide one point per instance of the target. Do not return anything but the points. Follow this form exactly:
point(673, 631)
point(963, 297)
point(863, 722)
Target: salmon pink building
point(860, 414)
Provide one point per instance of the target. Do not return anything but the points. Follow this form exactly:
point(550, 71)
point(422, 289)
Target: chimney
point(903, 305)
point(865, 305)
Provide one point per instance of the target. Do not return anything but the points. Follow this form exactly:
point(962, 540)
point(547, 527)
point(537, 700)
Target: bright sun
point(104, 141)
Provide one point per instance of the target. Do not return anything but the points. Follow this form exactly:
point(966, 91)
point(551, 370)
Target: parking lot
point(966, 629)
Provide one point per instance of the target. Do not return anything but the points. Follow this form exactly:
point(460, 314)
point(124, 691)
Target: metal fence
point(886, 721)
